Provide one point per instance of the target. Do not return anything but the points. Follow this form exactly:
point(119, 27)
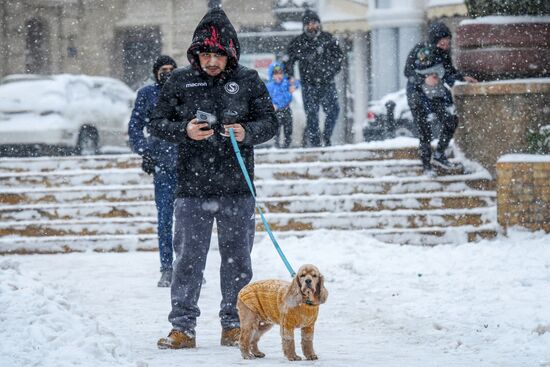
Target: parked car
point(390, 117)
point(74, 113)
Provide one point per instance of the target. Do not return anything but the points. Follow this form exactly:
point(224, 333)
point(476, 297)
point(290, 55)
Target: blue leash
point(249, 182)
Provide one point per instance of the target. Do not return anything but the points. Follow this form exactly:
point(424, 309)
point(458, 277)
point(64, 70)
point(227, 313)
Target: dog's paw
point(258, 354)
point(311, 357)
point(294, 358)
point(248, 356)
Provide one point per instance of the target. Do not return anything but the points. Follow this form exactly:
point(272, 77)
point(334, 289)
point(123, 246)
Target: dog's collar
point(309, 303)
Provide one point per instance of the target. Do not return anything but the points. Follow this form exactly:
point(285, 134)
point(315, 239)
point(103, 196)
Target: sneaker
point(177, 340)
point(165, 279)
point(441, 161)
point(230, 337)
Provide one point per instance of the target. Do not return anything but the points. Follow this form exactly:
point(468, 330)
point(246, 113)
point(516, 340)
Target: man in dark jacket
point(428, 68)
point(211, 185)
point(159, 159)
point(319, 60)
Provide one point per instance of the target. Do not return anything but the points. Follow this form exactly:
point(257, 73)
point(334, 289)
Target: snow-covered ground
point(479, 304)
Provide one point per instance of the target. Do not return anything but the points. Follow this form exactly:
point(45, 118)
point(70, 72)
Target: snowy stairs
point(106, 202)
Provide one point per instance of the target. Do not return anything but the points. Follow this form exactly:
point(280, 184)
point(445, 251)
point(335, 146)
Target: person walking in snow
point(281, 91)
point(196, 109)
point(428, 68)
point(319, 59)
point(158, 157)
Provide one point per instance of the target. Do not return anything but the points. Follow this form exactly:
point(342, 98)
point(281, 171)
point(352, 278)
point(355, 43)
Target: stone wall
point(523, 191)
point(495, 117)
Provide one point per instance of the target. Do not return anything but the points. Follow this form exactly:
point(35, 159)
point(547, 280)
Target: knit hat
point(310, 16)
point(161, 61)
point(437, 31)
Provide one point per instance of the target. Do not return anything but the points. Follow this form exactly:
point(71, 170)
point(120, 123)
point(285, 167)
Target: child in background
point(281, 91)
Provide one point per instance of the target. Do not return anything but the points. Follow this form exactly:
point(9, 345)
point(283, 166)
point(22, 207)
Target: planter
point(495, 117)
point(504, 47)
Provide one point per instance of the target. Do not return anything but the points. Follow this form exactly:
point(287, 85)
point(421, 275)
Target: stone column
point(360, 84)
point(395, 28)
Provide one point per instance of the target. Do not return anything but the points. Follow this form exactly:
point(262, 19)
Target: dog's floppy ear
point(321, 291)
point(293, 296)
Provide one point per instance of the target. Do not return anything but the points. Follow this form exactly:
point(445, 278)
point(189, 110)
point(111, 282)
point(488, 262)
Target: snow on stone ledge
point(511, 81)
point(531, 158)
point(501, 19)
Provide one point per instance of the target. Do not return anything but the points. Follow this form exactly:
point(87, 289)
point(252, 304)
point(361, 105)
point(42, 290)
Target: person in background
point(281, 91)
point(428, 69)
point(197, 107)
point(319, 59)
point(158, 159)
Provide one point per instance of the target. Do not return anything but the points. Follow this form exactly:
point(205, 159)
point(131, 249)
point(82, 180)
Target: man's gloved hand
point(148, 164)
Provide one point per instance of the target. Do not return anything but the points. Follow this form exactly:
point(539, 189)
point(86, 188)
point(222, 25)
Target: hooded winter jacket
point(163, 153)
point(319, 58)
point(209, 168)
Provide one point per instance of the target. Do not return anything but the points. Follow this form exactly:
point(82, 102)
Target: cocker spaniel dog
point(290, 305)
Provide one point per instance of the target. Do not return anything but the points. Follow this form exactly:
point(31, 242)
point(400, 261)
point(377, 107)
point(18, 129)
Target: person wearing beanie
point(319, 59)
point(158, 159)
point(197, 107)
point(430, 73)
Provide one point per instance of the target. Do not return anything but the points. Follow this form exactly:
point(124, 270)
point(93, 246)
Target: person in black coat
point(428, 69)
point(158, 159)
point(319, 59)
point(197, 107)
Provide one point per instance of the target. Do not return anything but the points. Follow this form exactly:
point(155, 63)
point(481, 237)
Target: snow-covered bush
point(539, 141)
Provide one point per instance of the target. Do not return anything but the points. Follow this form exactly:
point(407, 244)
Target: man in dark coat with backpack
point(319, 59)
point(196, 109)
point(159, 159)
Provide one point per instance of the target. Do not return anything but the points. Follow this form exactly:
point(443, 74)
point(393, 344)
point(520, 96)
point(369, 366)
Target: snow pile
point(482, 304)
point(42, 325)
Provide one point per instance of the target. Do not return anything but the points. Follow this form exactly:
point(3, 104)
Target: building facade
point(121, 38)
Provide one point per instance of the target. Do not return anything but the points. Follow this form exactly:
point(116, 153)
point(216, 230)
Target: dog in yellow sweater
point(290, 305)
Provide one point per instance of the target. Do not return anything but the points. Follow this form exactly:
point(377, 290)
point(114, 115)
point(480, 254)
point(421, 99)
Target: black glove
point(148, 164)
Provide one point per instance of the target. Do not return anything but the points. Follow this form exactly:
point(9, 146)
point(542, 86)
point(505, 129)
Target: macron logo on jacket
point(194, 85)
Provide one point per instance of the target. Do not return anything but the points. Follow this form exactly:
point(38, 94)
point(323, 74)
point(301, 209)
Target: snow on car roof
point(400, 99)
point(37, 93)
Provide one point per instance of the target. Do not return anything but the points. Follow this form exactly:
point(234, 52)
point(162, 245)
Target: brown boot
point(176, 340)
point(230, 337)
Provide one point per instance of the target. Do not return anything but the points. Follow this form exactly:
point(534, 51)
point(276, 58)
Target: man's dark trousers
point(236, 224)
point(421, 107)
point(165, 186)
point(315, 96)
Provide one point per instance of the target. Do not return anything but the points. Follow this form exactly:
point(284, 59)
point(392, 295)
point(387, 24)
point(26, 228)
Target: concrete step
point(271, 171)
point(294, 204)
point(405, 218)
point(265, 189)
point(359, 152)
point(425, 236)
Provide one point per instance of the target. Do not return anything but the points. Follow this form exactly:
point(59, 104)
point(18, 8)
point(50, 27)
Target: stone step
point(277, 171)
point(426, 236)
point(359, 152)
point(265, 189)
point(296, 204)
point(405, 218)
